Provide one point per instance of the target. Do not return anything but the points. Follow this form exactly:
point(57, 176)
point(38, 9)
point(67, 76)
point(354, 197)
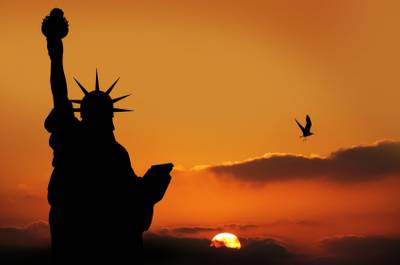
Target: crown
point(98, 99)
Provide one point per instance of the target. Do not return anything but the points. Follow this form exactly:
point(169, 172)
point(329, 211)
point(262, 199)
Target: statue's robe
point(99, 208)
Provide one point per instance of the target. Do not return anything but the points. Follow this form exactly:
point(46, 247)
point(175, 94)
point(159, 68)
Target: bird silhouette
point(306, 130)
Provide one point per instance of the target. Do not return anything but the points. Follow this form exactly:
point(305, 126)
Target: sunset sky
point(216, 86)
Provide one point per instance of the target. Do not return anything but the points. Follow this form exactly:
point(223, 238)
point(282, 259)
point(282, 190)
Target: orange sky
point(213, 82)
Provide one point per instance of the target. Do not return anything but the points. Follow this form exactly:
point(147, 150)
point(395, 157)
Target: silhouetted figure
point(306, 130)
point(99, 207)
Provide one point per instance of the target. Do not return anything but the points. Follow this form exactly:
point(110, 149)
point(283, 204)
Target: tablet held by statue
point(157, 179)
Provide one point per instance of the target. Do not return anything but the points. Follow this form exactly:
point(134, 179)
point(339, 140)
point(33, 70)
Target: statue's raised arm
point(55, 27)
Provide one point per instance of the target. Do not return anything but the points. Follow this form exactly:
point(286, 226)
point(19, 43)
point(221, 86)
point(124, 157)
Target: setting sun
point(227, 240)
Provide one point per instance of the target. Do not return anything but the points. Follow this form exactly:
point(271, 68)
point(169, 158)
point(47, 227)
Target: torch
point(55, 25)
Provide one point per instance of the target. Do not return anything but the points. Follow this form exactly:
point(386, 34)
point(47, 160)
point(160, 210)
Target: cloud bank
point(361, 250)
point(178, 250)
point(349, 165)
point(36, 234)
point(164, 249)
point(193, 230)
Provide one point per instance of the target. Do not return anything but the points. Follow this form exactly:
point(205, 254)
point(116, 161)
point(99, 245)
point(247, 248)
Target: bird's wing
point(301, 126)
point(308, 123)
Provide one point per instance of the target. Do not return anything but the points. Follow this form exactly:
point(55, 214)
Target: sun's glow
point(227, 240)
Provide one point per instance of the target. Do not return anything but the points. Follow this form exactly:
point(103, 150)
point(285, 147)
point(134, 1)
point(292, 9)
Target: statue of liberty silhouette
point(99, 208)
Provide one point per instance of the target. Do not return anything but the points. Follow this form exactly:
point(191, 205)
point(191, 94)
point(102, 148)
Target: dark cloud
point(25, 245)
point(176, 250)
point(349, 165)
point(239, 226)
point(357, 250)
point(188, 230)
point(36, 234)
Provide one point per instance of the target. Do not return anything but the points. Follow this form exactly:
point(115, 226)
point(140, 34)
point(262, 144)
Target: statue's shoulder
point(60, 120)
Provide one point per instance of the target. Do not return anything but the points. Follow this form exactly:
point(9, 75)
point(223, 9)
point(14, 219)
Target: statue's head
point(97, 107)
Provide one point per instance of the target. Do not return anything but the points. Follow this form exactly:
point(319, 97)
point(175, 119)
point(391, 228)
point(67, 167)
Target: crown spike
point(112, 86)
point(97, 82)
point(119, 98)
point(82, 87)
point(120, 110)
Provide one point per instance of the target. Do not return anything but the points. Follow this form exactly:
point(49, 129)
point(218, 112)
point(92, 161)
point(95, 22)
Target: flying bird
point(306, 130)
